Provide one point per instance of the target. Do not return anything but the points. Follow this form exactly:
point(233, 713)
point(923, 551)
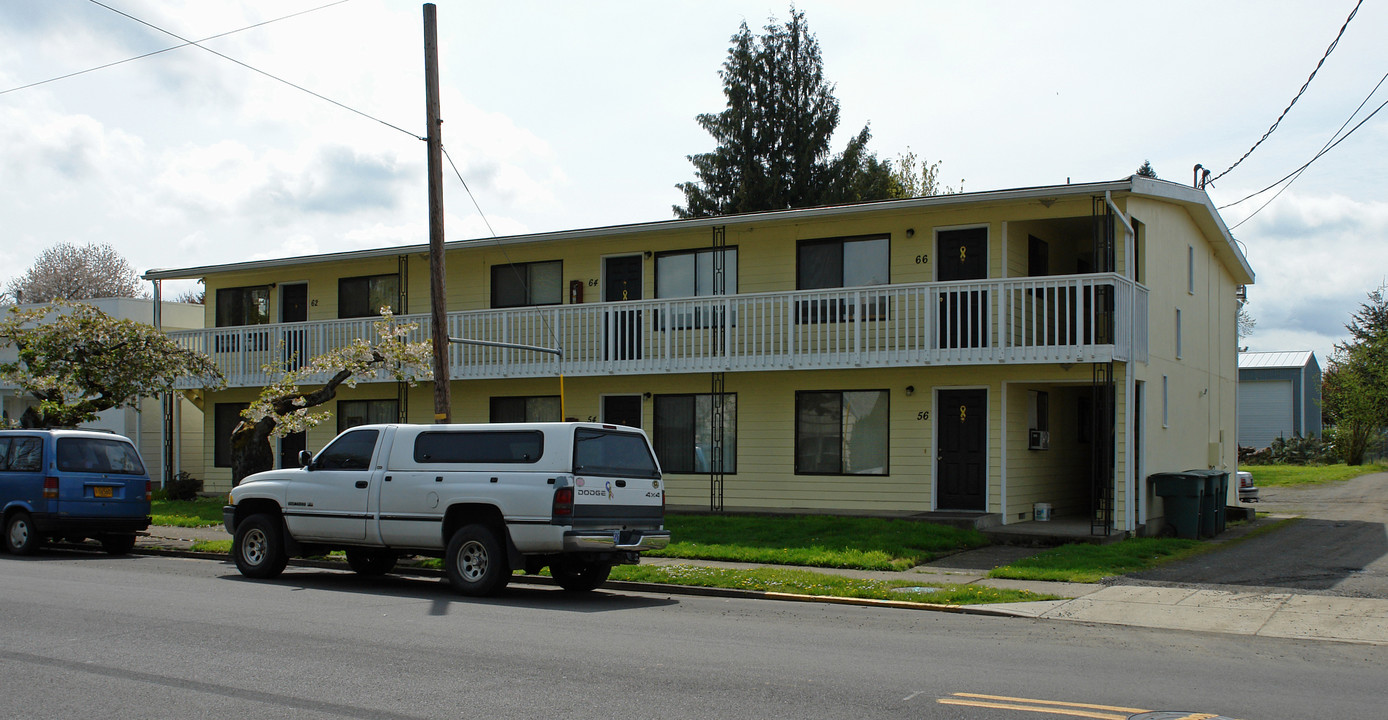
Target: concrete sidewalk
point(1264, 612)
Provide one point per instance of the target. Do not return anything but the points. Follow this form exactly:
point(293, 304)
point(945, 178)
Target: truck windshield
point(619, 454)
point(95, 455)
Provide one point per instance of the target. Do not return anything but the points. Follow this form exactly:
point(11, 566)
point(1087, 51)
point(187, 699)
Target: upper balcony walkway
point(1052, 319)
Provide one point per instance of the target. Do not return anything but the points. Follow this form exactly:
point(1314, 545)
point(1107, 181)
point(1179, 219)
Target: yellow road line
point(1115, 708)
point(1033, 708)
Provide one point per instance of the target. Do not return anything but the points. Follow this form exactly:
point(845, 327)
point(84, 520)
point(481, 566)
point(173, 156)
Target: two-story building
point(974, 353)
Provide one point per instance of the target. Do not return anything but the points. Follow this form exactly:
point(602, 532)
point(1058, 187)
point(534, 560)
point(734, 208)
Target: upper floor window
point(689, 273)
point(243, 306)
point(842, 262)
point(523, 284)
point(1190, 269)
point(365, 296)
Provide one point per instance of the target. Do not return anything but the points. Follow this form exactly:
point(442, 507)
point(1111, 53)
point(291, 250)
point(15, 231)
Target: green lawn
point(1085, 563)
point(203, 512)
point(814, 540)
point(1287, 475)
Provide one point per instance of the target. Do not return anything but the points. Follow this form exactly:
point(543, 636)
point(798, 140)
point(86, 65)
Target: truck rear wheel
point(579, 576)
point(476, 562)
point(258, 547)
point(370, 561)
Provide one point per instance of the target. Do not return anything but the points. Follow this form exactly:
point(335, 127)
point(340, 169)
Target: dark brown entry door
point(622, 283)
point(962, 255)
point(290, 445)
point(622, 410)
point(961, 461)
point(294, 309)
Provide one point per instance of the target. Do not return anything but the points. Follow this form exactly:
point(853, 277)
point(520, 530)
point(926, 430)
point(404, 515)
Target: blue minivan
point(73, 485)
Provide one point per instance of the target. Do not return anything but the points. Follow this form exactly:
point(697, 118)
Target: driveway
point(1339, 546)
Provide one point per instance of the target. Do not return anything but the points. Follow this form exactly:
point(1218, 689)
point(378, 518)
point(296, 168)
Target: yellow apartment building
point(974, 354)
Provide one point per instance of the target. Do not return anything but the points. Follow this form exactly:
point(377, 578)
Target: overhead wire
point(171, 47)
point(1304, 85)
point(1335, 139)
point(257, 70)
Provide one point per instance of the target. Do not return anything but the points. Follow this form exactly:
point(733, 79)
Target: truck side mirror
point(306, 459)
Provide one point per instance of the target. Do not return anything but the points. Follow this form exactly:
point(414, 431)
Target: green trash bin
point(1184, 496)
point(1216, 495)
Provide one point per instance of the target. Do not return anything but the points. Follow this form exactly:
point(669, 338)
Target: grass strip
point(1293, 475)
point(814, 540)
point(806, 582)
point(1086, 563)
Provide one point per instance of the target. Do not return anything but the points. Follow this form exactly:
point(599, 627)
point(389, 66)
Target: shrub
point(1294, 451)
point(182, 486)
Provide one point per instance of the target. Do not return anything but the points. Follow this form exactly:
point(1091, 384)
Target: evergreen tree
point(1147, 171)
point(1354, 389)
point(773, 137)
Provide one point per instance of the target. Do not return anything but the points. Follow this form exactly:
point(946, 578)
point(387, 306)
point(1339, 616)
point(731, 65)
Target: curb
point(653, 588)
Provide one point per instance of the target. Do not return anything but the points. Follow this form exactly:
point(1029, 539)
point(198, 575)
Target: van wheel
point(117, 544)
point(579, 576)
point(20, 536)
point(258, 547)
point(475, 561)
point(368, 561)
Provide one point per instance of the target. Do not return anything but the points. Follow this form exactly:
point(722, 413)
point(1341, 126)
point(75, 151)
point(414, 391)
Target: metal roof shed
point(1279, 396)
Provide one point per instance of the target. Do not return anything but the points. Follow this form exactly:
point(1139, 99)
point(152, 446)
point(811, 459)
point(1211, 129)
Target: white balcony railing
point(1054, 319)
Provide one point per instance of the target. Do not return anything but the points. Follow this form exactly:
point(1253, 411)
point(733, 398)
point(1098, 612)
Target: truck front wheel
point(475, 561)
point(578, 575)
point(258, 547)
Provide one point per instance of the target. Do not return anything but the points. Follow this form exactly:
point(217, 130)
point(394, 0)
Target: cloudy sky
point(565, 115)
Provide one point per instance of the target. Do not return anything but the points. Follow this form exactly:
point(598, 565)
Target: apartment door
point(622, 325)
point(962, 255)
point(290, 446)
point(294, 309)
point(961, 427)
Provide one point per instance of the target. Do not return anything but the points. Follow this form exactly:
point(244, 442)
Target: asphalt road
point(83, 635)
point(1338, 547)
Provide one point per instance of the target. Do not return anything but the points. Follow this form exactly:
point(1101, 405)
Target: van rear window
point(620, 454)
point(94, 455)
point(510, 446)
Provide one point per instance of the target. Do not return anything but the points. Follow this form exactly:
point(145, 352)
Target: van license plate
point(103, 492)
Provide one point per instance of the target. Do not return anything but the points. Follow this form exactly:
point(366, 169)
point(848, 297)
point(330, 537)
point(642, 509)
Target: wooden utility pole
point(437, 295)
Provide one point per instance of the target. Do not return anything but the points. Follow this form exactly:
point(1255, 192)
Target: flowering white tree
point(284, 407)
point(77, 361)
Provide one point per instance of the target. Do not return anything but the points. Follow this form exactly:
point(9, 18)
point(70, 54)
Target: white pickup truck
point(490, 499)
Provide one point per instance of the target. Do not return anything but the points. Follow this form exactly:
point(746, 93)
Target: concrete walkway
point(1270, 612)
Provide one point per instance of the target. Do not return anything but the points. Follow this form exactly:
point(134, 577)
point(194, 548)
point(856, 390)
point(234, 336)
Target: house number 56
point(923, 415)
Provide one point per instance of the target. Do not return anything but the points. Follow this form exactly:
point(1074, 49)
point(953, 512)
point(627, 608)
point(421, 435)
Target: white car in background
point(1248, 492)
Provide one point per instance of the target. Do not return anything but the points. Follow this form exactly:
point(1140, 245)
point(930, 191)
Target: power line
point(1329, 145)
point(470, 195)
point(171, 47)
point(1328, 50)
point(258, 70)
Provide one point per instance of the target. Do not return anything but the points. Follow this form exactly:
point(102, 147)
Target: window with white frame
point(351, 413)
point(842, 432)
point(525, 284)
point(364, 296)
point(690, 273)
point(1165, 402)
point(683, 435)
point(1190, 269)
point(1178, 333)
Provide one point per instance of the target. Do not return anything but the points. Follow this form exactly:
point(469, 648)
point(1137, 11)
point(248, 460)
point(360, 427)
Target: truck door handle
point(361, 484)
point(621, 483)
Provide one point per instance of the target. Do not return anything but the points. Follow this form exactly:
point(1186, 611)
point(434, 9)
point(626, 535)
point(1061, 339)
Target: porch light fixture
point(910, 232)
point(910, 389)
point(646, 395)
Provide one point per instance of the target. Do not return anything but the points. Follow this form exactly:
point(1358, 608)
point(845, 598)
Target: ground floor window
point(536, 408)
point(351, 413)
point(684, 433)
point(841, 432)
point(225, 417)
